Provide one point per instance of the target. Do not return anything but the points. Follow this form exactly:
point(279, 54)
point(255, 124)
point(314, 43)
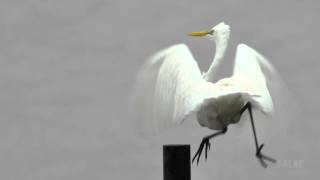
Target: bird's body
point(181, 89)
point(231, 94)
point(217, 114)
point(171, 85)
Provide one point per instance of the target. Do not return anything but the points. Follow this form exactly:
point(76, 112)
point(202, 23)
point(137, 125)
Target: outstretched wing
point(168, 88)
point(249, 64)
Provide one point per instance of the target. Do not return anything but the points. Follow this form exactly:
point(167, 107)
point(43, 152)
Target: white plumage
point(171, 85)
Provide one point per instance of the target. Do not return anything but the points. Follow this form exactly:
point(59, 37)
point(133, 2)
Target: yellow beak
point(199, 33)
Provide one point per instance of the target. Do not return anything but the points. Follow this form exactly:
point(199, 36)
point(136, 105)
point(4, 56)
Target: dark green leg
point(261, 157)
point(206, 143)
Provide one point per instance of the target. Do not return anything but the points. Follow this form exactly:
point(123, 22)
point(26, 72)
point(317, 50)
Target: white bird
point(170, 86)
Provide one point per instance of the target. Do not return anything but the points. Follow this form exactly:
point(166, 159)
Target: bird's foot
point(204, 143)
point(261, 157)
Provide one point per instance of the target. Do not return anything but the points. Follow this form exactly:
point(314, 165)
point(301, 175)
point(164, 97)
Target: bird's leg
point(206, 142)
point(261, 157)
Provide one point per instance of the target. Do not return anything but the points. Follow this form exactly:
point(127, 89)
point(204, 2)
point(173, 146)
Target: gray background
point(67, 66)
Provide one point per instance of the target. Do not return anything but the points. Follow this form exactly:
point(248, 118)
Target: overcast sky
point(67, 67)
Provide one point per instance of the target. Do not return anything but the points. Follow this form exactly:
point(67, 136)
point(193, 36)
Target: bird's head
point(219, 32)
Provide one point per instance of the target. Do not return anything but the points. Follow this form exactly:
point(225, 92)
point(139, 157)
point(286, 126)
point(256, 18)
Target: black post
point(176, 162)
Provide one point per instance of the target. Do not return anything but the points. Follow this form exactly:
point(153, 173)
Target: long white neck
point(221, 47)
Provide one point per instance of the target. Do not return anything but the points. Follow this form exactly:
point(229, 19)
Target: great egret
point(173, 87)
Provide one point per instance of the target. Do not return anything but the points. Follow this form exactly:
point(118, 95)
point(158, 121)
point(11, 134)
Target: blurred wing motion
point(251, 65)
point(169, 87)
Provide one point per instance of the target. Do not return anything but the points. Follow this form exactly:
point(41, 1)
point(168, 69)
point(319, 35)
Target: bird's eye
point(211, 32)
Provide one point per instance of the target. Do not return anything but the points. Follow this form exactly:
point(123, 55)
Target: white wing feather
point(169, 87)
point(249, 64)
